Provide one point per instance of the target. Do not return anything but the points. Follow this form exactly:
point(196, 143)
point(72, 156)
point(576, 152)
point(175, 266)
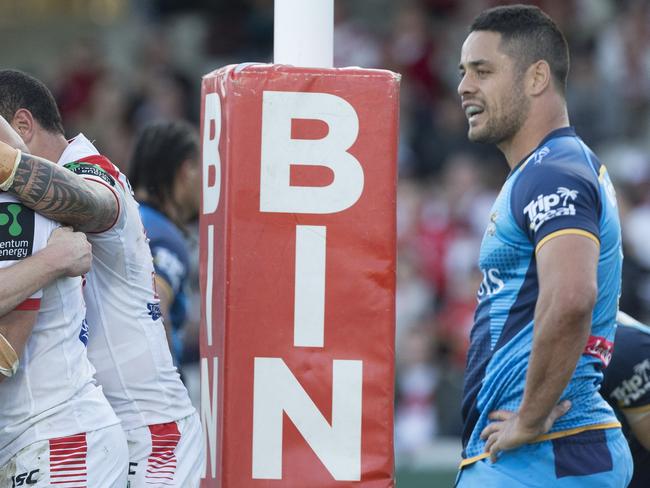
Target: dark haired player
point(551, 260)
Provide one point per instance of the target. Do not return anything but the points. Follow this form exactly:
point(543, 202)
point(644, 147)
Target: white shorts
point(166, 455)
point(94, 459)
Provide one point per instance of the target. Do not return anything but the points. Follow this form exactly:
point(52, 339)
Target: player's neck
point(48, 146)
point(534, 130)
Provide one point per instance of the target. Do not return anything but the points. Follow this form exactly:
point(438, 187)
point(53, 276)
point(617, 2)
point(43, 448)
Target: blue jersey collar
point(561, 132)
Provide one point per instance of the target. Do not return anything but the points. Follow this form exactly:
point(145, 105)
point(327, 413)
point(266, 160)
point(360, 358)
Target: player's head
point(514, 55)
point(28, 105)
point(164, 167)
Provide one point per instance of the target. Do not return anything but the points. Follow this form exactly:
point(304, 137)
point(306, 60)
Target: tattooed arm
point(63, 196)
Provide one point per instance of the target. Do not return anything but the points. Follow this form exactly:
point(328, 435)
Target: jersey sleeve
point(22, 233)
point(555, 198)
point(100, 170)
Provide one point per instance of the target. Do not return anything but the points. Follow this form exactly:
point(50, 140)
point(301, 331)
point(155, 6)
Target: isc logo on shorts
point(24, 479)
point(547, 207)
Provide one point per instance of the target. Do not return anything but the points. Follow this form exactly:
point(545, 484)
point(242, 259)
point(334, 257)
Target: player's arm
point(567, 268)
point(57, 193)
point(67, 254)
point(15, 329)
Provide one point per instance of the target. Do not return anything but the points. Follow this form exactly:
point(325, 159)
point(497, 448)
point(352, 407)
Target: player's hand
point(70, 251)
point(507, 431)
point(9, 136)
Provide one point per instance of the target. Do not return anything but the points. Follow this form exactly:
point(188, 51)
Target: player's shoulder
point(97, 166)
point(562, 154)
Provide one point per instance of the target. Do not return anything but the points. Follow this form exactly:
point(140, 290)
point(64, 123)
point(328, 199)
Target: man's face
point(491, 89)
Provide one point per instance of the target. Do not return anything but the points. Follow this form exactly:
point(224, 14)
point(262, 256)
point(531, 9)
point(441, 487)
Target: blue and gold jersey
point(561, 188)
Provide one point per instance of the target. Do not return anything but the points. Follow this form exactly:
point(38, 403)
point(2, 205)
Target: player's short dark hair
point(20, 90)
point(528, 35)
point(160, 149)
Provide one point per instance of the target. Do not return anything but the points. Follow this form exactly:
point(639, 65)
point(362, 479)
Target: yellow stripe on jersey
point(548, 437)
point(557, 233)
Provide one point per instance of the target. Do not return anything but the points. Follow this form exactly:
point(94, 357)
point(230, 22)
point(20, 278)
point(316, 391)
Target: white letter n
point(277, 391)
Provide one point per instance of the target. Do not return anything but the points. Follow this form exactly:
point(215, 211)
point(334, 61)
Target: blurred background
point(117, 64)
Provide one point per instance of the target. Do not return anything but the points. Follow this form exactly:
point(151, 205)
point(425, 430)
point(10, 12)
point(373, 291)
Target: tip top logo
point(547, 207)
point(16, 231)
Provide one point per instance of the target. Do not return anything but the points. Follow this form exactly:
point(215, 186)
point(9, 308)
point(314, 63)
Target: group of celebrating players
point(89, 392)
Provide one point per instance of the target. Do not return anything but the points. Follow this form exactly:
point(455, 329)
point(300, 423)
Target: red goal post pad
point(298, 265)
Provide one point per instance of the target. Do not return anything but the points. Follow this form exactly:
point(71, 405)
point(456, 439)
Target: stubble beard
point(505, 125)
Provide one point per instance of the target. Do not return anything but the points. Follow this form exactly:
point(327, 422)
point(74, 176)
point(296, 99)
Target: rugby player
point(626, 387)
point(551, 262)
point(127, 342)
point(56, 426)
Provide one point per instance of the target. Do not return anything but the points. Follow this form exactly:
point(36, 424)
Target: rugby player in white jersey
point(127, 342)
point(56, 426)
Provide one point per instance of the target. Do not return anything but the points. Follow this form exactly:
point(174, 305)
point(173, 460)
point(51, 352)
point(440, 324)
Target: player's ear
point(538, 77)
point(23, 123)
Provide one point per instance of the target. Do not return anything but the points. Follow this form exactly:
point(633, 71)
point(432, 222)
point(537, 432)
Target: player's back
point(53, 393)
point(171, 264)
point(561, 188)
point(626, 387)
point(128, 344)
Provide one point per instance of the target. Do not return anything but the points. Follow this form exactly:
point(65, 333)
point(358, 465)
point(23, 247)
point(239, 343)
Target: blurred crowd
point(446, 185)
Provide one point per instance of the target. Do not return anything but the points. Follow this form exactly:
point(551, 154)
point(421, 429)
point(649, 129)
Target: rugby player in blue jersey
point(551, 262)
point(626, 387)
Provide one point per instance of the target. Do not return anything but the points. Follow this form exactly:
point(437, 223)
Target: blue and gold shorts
point(595, 458)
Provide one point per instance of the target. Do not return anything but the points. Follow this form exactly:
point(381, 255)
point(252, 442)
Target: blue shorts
point(598, 458)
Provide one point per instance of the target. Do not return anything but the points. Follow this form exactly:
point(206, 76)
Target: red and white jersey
point(53, 393)
point(127, 341)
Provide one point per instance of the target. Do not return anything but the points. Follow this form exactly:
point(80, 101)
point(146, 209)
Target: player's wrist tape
point(8, 358)
point(9, 159)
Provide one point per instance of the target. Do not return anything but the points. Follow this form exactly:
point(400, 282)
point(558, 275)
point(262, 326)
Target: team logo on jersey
point(547, 207)
point(16, 231)
point(491, 284)
point(87, 169)
point(600, 348)
point(83, 333)
point(635, 387)
point(541, 154)
point(154, 310)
